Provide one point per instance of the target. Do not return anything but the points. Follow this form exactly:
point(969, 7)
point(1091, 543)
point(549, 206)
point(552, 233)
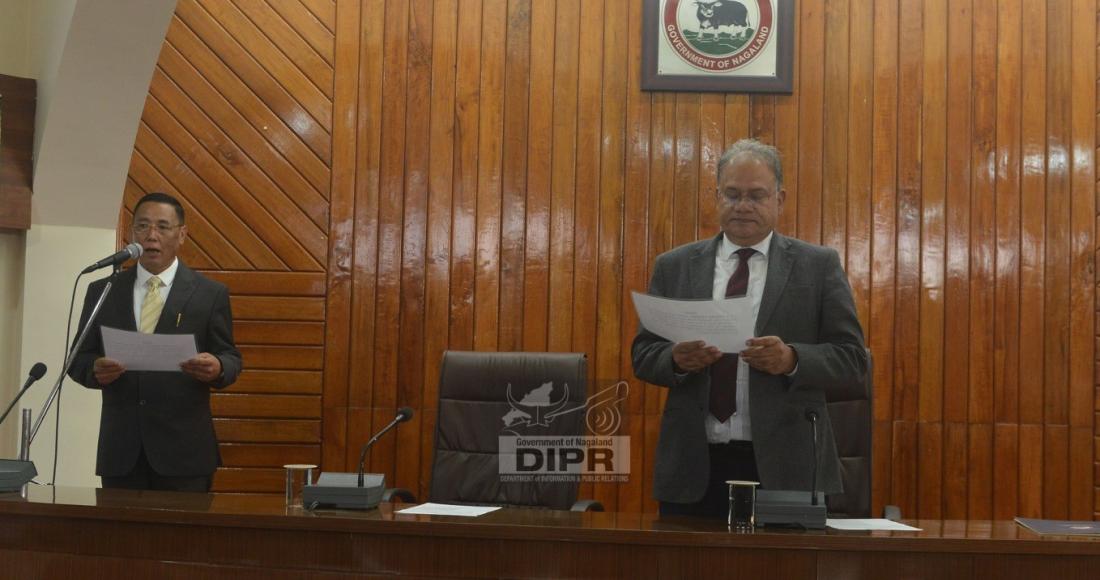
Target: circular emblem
point(718, 35)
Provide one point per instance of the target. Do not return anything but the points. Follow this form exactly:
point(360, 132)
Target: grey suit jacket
point(808, 303)
point(166, 413)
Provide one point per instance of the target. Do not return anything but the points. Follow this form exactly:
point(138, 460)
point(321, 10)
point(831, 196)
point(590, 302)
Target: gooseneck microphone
point(811, 416)
point(403, 414)
point(37, 372)
point(132, 251)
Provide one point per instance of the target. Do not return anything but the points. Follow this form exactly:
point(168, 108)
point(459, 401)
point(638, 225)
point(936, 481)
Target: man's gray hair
point(754, 149)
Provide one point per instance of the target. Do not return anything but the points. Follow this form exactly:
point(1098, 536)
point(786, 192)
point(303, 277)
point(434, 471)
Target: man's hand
point(204, 367)
point(694, 355)
point(770, 355)
point(107, 370)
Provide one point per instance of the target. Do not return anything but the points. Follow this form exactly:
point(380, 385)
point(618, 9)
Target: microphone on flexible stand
point(352, 490)
point(792, 507)
point(811, 416)
point(37, 372)
point(403, 414)
point(131, 252)
point(15, 473)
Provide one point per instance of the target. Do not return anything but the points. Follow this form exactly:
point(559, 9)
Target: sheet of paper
point(1061, 527)
point(148, 352)
point(726, 324)
point(872, 524)
point(442, 509)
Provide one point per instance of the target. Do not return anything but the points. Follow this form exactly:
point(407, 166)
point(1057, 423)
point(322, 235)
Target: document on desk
point(868, 525)
point(1061, 527)
point(138, 351)
point(442, 509)
point(726, 324)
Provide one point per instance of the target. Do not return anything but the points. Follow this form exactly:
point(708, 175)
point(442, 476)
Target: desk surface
point(105, 529)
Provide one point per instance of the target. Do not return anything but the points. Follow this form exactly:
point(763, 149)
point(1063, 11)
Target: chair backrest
point(850, 415)
point(486, 395)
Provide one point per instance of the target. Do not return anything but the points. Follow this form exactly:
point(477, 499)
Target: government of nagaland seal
point(718, 35)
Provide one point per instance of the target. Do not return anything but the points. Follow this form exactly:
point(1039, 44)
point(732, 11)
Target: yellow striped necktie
point(152, 305)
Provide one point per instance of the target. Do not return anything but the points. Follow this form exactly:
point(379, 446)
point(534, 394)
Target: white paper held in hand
point(726, 324)
point(148, 352)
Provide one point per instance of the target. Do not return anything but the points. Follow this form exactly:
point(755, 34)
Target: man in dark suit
point(155, 429)
point(730, 417)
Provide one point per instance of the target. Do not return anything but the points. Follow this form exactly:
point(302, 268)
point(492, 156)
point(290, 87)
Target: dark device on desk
point(802, 509)
point(15, 474)
point(355, 491)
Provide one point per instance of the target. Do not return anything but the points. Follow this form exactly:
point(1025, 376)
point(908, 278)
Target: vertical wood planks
point(517, 80)
point(489, 160)
point(537, 267)
point(488, 174)
point(1082, 282)
point(338, 307)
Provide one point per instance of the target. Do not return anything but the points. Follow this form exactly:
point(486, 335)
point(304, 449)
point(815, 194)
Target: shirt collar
point(167, 276)
point(727, 248)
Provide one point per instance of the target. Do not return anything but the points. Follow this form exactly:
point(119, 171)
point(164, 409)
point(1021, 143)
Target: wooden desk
point(91, 533)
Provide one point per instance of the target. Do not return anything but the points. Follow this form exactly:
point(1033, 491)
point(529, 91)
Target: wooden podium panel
point(93, 533)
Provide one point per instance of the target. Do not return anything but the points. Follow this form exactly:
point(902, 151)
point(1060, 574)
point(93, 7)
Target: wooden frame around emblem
point(780, 82)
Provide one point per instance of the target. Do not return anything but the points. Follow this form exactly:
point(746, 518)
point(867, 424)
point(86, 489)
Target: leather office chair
point(483, 395)
point(851, 413)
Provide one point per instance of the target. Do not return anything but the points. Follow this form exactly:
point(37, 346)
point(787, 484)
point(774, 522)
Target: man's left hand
point(769, 354)
point(204, 367)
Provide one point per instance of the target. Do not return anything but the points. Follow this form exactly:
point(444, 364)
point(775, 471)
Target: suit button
point(142, 402)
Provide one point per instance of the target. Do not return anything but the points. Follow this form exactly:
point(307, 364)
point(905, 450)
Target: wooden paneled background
point(380, 180)
point(17, 102)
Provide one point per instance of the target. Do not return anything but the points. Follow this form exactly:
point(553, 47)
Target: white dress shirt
point(143, 275)
point(738, 426)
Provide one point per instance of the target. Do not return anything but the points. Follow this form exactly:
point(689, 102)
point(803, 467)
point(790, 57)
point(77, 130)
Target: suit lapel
point(702, 270)
point(123, 299)
point(780, 262)
point(182, 288)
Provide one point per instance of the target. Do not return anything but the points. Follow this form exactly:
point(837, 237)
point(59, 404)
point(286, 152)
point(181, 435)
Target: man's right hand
point(694, 355)
point(107, 370)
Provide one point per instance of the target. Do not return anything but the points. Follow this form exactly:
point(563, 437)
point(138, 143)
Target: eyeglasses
point(142, 228)
point(756, 197)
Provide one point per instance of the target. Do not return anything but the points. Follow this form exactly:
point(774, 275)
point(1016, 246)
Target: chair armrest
point(402, 494)
point(586, 505)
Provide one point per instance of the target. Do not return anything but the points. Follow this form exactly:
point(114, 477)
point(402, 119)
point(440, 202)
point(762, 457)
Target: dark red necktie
point(723, 373)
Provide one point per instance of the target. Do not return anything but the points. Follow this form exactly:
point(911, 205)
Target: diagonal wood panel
point(238, 126)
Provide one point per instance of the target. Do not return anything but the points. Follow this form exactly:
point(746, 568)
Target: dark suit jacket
point(166, 412)
point(806, 302)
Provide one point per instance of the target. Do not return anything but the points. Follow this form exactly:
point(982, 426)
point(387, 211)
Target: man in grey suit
point(744, 417)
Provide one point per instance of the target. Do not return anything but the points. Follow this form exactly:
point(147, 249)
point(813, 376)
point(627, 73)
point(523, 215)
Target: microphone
point(37, 372)
point(403, 414)
point(789, 507)
point(811, 416)
point(132, 251)
point(350, 490)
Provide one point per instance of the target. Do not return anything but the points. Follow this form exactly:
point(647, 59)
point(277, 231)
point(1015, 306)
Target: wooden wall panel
point(16, 151)
point(380, 180)
point(238, 124)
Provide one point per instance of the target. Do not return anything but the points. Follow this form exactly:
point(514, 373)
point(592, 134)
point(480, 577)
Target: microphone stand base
point(789, 508)
point(342, 491)
point(14, 474)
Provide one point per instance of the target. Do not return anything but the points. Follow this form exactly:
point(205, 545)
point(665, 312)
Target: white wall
point(47, 30)
point(54, 255)
point(93, 60)
point(93, 106)
point(15, 54)
point(11, 328)
point(15, 60)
